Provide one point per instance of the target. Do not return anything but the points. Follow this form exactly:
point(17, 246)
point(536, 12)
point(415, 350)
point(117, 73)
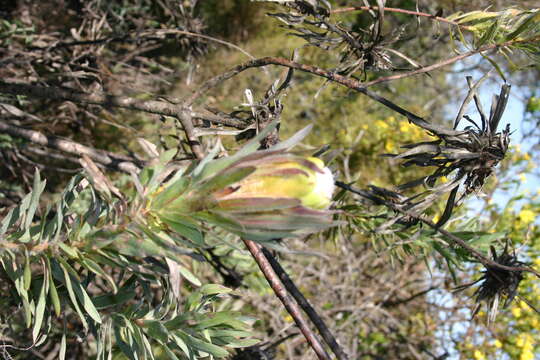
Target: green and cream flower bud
point(303, 179)
point(261, 196)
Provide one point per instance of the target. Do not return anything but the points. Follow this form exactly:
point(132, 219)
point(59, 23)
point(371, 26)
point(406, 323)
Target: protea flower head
point(259, 195)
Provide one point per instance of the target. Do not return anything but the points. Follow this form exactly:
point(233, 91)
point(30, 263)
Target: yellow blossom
point(526, 156)
point(404, 127)
point(381, 124)
point(444, 179)
point(522, 177)
point(436, 218)
point(527, 216)
point(478, 355)
point(537, 261)
point(520, 342)
point(498, 344)
point(516, 312)
point(389, 146)
point(526, 355)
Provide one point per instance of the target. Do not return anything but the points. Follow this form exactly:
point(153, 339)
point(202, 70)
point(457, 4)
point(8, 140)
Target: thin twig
point(96, 98)
point(306, 306)
point(396, 302)
point(187, 123)
point(453, 238)
point(332, 76)
point(138, 35)
point(107, 100)
point(111, 160)
point(281, 293)
point(402, 11)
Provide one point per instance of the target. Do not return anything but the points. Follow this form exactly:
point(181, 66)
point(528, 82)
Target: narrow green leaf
point(27, 277)
point(476, 16)
point(208, 348)
point(170, 193)
point(225, 178)
point(63, 343)
point(169, 352)
point(40, 308)
point(28, 308)
point(96, 269)
point(71, 252)
point(121, 297)
point(37, 189)
point(71, 293)
point(223, 318)
point(495, 65)
point(156, 330)
point(189, 232)
point(240, 343)
point(147, 346)
point(128, 350)
point(183, 346)
point(213, 289)
point(489, 35)
point(532, 21)
point(189, 276)
point(87, 302)
point(53, 293)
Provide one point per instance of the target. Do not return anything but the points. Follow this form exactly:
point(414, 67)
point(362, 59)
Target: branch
point(340, 79)
point(453, 238)
point(107, 100)
point(97, 98)
point(290, 305)
point(138, 35)
point(396, 302)
point(306, 306)
point(402, 11)
point(189, 129)
point(109, 159)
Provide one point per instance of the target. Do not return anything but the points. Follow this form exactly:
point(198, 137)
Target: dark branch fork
point(292, 308)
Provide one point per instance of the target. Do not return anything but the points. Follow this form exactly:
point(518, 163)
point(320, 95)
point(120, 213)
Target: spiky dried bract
point(360, 50)
point(260, 195)
point(497, 284)
point(466, 157)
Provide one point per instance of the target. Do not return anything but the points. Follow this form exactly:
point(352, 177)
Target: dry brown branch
point(143, 34)
point(340, 79)
point(97, 98)
point(292, 308)
point(107, 100)
point(402, 11)
point(111, 160)
point(306, 306)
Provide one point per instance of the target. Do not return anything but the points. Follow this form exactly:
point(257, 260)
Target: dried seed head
point(497, 284)
point(467, 157)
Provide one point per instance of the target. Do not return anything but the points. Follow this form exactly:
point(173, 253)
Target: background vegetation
point(101, 100)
